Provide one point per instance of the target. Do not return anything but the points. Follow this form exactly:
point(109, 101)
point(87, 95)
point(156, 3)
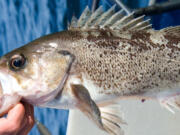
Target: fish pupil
point(18, 63)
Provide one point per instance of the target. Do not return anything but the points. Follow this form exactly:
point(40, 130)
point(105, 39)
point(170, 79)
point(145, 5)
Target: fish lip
point(4, 78)
point(2, 73)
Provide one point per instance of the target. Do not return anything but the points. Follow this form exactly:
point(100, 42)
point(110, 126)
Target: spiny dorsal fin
point(130, 23)
point(123, 21)
point(141, 25)
point(114, 18)
point(94, 17)
point(84, 17)
point(73, 23)
point(105, 16)
point(110, 20)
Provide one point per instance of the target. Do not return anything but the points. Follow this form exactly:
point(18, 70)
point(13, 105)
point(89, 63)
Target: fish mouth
point(8, 84)
point(8, 92)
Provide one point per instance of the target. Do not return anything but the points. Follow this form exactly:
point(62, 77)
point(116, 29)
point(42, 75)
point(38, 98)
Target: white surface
point(147, 118)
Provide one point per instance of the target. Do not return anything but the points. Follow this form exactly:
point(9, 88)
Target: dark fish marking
point(143, 35)
point(173, 40)
point(64, 52)
point(143, 100)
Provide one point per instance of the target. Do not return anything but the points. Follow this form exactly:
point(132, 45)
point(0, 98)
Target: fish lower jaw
point(8, 101)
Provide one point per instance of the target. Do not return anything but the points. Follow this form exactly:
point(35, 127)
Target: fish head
point(35, 73)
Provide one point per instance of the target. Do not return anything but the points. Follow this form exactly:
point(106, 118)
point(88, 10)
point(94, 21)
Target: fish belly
point(96, 93)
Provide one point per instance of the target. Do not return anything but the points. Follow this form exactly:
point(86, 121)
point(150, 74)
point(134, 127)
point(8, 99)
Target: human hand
point(19, 120)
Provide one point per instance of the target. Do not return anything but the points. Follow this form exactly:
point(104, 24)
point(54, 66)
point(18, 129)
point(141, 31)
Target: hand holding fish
point(20, 120)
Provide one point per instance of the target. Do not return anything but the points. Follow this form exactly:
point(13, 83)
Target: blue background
point(22, 21)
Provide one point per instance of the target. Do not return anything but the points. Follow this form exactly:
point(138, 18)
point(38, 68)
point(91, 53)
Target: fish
point(102, 58)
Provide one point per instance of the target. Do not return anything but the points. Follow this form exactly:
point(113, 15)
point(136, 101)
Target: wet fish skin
point(125, 64)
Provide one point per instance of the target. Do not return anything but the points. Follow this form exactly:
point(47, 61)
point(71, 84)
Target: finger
point(17, 112)
point(23, 122)
point(29, 114)
point(2, 114)
point(30, 110)
point(23, 129)
point(14, 118)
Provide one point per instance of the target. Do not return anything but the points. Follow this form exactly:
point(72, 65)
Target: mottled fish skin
point(124, 63)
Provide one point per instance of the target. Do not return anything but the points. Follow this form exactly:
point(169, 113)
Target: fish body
point(128, 64)
point(101, 58)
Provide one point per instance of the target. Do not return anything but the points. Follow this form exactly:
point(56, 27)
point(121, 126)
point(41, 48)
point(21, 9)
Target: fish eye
point(17, 62)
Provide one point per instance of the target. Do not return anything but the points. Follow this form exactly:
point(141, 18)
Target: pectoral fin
point(86, 104)
point(106, 118)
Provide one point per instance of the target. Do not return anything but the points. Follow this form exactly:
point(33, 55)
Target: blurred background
point(22, 21)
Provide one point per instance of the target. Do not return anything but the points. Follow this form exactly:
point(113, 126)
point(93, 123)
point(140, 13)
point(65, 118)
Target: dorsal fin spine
point(91, 21)
point(141, 24)
point(146, 27)
point(105, 16)
point(123, 21)
point(114, 18)
point(84, 17)
point(132, 23)
point(73, 23)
